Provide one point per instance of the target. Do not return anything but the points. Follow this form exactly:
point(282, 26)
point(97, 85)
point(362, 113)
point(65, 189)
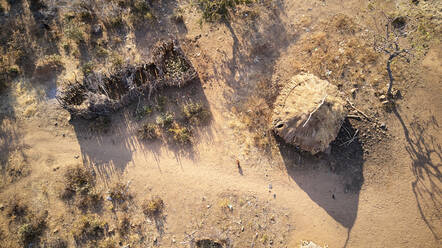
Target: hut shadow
point(332, 181)
point(426, 155)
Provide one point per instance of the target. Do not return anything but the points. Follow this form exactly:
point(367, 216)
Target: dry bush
point(32, 230)
point(124, 226)
point(165, 120)
point(180, 134)
point(149, 131)
point(153, 207)
point(218, 10)
point(56, 242)
point(78, 180)
point(196, 113)
point(119, 193)
point(88, 227)
point(16, 210)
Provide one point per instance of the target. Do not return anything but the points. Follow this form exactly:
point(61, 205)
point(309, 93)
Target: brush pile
point(101, 94)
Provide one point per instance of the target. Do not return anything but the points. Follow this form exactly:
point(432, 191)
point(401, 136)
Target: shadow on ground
point(332, 181)
point(108, 144)
point(426, 155)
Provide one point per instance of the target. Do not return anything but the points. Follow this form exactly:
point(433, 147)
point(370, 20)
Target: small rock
point(353, 92)
point(56, 124)
point(76, 156)
point(383, 126)
point(274, 196)
point(204, 198)
point(397, 94)
point(2, 207)
point(55, 231)
point(242, 229)
point(64, 135)
point(230, 207)
point(382, 98)
point(96, 29)
point(109, 198)
point(208, 206)
point(270, 186)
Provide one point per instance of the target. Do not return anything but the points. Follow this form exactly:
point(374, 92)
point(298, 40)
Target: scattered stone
point(109, 198)
point(2, 207)
point(208, 206)
point(270, 186)
point(56, 124)
point(76, 156)
point(382, 98)
point(242, 229)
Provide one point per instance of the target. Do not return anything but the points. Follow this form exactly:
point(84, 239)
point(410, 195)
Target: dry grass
point(153, 207)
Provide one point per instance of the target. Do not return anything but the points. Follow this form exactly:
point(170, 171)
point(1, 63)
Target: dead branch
point(316, 109)
point(358, 110)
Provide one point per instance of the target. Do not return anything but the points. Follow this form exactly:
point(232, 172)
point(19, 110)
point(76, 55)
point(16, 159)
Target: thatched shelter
point(308, 113)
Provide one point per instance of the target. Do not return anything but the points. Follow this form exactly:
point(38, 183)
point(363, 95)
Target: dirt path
point(398, 204)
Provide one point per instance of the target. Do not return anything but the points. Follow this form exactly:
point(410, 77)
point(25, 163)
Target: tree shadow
point(332, 181)
point(426, 155)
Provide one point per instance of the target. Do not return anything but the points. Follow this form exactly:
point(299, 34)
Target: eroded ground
point(224, 180)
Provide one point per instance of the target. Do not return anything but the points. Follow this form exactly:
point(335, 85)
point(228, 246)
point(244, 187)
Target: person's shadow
point(332, 181)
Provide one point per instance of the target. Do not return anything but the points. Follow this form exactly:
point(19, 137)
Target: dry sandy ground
point(279, 199)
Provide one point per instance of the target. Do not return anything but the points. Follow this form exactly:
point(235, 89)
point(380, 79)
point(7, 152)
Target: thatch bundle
point(309, 113)
point(100, 93)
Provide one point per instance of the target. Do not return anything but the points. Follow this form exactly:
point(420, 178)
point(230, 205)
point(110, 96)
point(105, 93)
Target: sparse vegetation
point(31, 230)
point(180, 134)
point(153, 207)
point(78, 181)
point(196, 113)
point(119, 193)
point(88, 227)
point(88, 68)
point(218, 10)
point(101, 124)
point(165, 120)
point(148, 131)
